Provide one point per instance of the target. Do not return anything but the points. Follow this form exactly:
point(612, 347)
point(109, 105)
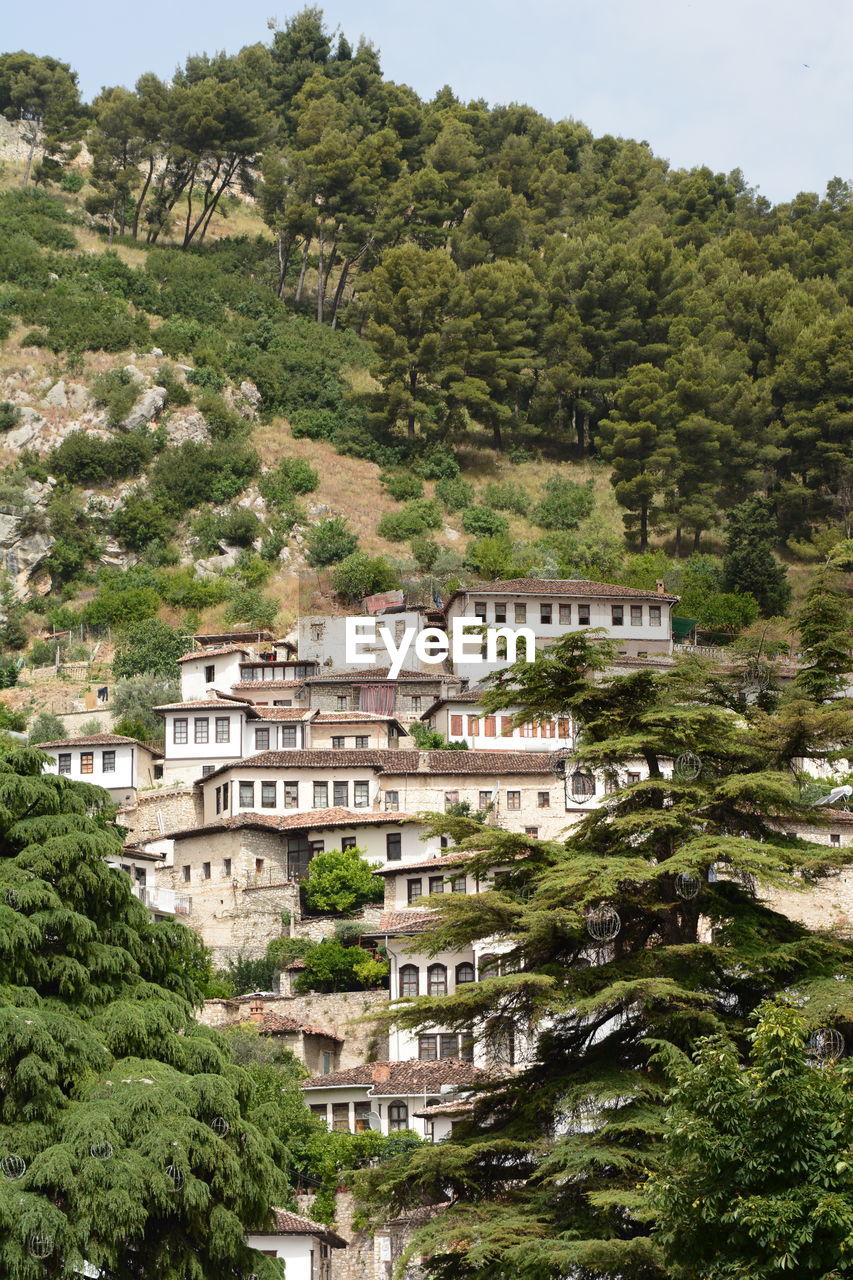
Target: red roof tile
point(387, 1079)
point(491, 763)
point(414, 920)
point(212, 653)
point(574, 587)
point(372, 675)
point(207, 704)
point(292, 1224)
point(98, 740)
point(277, 1024)
point(310, 820)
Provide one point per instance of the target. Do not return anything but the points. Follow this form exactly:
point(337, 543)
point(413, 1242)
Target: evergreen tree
point(126, 1137)
point(756, 1180)
point(825, 624)
point(542, 1183)
point(749, 564)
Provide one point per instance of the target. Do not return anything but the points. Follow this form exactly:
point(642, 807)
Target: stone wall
point(337, 1011)
point(177, 807)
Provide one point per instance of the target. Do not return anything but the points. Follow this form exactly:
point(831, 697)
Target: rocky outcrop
point(148, 406)
point(23, 553)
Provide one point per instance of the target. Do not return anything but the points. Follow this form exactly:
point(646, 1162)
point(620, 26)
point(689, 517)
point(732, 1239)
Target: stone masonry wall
point(337, 1011)
point(179, 808)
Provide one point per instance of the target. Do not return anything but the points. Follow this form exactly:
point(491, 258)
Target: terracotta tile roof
point(292, 1224)
point(379, 675)
point(268, 684)
point(400, 868)
point(206, 704)
point(414, 920)
point(460, 1106)
point(100, 740)
point(282, 713)
point(576, 588)
point(491, 763)
point(351, 717)
point(310, 820)
point(212, 653)
point(231, 637)
point(388, 1079)
point(277, 1024)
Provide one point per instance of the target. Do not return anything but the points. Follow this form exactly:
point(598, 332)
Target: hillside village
point(425, 671)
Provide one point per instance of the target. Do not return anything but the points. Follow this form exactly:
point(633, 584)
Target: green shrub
point(141, 520)
point(237, 527)
point(120, 607)
point(425, 552)
point(46, 726)
point(117, 392)
point(361, 575)
point(317, 424)
point(73, 319)
point(178, 392)
point(564, 504)
point(455, 493)
point(329, 542)
point(414, 518)
point(340, 881)
point(496, 556)
point(148, 648)
point(331, 966)
point(190, 474)
point(438, 464)
point(44, 653)
point(9, 415)
point(72, 180)
point(483, 522)
point(291, 476)
point(184, 591)
point(223, 421)
point(86, 459)
point(506, 497)
point(251, 608)
point(402, 485)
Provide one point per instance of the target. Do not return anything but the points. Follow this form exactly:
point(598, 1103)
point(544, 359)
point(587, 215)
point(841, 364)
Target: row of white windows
point(393, 852)
point(268, 795)
point(87, 762)
point(288, 734)
point(437, 976)
point(566, 612)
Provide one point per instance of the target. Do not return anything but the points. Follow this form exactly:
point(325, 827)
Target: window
point(520, 612)
point(209, 673)
point(448, 1046)
point(455, 726)
point(654, 615)
point(247, 795)
point(320, 795)
point(207, 770)
point(327, 1063)
point(466, 1051)
point(259, 867)
point(186, 872)
point(450, 798)
point(226, 866)
point(583, 615)
point(532, 831)
point(437, 980)
point(360, 795)
point(223, 728)
point(398, 1117)
point(393, 846)
point(429, 1130)
point(632, 778)
point(288, 735)
point(340, 1117)
point(339, 743)
point(436, 884)
point(87, 762)
point(361, 741)
point(341, 701)
point(513, 800)
point(201, 729)
point(545, 614)
point(179, 729)
point(218, 799)
point(416, 702)
point(489, 727)
point(348, 842)
point(317, 629)
point(267, 795)
point(108, 762)
point(835, 839)
point(291, 795)
point(617, 615)
point(543, 799)
point(205, 871)
point(565, 614)
point(225, 787)
point(459, 885)
point(392, 801)
point(489, 966)
point(582, 785)
point(480, 610)
point(464, 973)
point(636, 615)
point(409, 980)
point(340, 793)
point(427, 1048)
point(262, 739)
point(362, 1116)
point(64, 761)
point(484, 799)
point(414, 889)
point(282, 702)
point(319, 1109)
point(500, 611)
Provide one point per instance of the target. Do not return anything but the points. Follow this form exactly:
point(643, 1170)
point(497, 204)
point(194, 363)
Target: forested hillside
point(303, 318)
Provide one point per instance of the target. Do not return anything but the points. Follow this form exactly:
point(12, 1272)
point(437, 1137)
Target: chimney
point(256, 1011)
point(381, 1072)
point(659, 587)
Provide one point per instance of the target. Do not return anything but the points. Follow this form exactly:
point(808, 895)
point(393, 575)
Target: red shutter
point(456, 725)
point(489, 726)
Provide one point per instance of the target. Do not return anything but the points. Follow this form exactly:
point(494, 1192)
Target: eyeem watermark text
point(432, 645)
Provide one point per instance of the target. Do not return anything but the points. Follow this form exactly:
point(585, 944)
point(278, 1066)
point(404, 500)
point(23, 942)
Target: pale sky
point(715, 82)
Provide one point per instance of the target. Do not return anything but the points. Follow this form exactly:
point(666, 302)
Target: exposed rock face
point(149, 404)
point(187, 424)
point(250, 394)
point(213, 566)
point(57, 396)
point(22, 554)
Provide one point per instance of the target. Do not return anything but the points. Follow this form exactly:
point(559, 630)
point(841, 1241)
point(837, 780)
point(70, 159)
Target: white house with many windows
point(388, 1096)
point(459, 717)
point(640, 622)
point(120, 765)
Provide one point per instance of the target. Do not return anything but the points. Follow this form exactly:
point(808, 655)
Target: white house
point(387, 1096)
point(323, 639)
point(639, 621)
point(459, 717)
point(304, 1247)
point(120, 765)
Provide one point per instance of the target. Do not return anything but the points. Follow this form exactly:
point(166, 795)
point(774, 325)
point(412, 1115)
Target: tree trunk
point(137, 213)
point(697, 534)
point(33, 139)
point(283, 261)
point(678, 542)
point(413, 386)
point(497, 438)
point(299, 285)
point(579, 422)
point(112, 223)
point(320, 275)
point(339, 292)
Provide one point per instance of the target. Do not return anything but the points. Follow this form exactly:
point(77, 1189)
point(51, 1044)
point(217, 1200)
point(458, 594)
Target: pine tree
point(825, 624)
point(749, 564)
point(126, 1137)
point(542, 1183)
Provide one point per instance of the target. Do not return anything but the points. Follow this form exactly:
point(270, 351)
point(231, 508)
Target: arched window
point(437, 980)
point(465, 973)
point(489, 966)
point(409, 980)
point(582, 785)
point(398, 1116)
